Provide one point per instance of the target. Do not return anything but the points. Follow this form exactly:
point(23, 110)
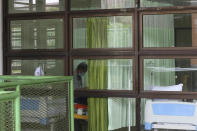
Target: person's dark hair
point(82, 67)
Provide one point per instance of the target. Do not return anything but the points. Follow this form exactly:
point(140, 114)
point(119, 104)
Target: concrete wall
point(1, 39)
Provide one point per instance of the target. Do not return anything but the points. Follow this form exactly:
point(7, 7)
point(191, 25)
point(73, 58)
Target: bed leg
point(148, 126)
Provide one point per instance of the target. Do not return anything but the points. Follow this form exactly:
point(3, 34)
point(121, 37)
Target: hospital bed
point(42, 110)
point(170, 114)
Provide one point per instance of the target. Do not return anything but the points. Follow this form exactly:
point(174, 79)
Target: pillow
point(178, 87)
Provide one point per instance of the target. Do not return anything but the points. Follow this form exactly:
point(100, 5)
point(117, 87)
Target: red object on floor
point(81, 106)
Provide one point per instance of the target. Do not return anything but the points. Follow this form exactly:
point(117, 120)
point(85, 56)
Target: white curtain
point(120, 114)
point(120, 74)
point(119, 32)
point(121, 111)
point(158, 31)
point(111, 4)
point(150, 3)
point(79, 33)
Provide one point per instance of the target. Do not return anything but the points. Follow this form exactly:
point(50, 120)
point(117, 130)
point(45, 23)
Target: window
point(37, 67)
point(123, 54)
point(169, 30)
point(37, 34)
point(102, 32)
point(101, 4)
point(167, 3)
point(28, 6)
point(106, 74)
point(170, 74)
point(108, 110)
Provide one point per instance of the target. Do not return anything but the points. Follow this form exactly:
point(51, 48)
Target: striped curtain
point(158, 31)
point(97, 75)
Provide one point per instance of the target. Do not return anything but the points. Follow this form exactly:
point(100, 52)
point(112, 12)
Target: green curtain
point(97, 32)
point(97, 74)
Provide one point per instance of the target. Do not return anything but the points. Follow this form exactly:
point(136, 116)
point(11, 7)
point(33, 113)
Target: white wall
point(1, 39)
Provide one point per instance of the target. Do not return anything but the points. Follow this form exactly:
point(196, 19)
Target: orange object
point(84, 117)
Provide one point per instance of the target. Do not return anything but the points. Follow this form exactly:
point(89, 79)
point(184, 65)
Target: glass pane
point(167, 3)
point(107, 114)
point(37, 34)
point(37, 67)
point(29, 6)
point(166, 114)
point(170, 30)
point(111, 74)
point(178, 74)
point(103, 32)
point(101, 4)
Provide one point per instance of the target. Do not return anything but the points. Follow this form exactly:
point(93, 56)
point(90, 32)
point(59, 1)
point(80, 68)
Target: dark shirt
point(77, 81)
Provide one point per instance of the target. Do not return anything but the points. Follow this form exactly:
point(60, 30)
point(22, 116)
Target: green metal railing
point(10, 98)
point(51, 93)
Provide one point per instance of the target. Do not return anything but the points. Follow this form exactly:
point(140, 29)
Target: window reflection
point(37, 67)
point(16, 36)
point(20, 6)
point(16, 67)
point(51, 37)
point(37, 34)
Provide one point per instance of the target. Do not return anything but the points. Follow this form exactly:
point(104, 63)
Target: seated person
point(80, 124)
point(79, 73)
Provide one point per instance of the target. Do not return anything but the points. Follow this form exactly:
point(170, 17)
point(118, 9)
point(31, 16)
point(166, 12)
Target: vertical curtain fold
point(79, 33)
point(114, 74)
point(97, 32)
point(158, 30)
point(120, 32)
point(109, 4)
point(150, 3)
point(119, 76)
point(97, 75)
